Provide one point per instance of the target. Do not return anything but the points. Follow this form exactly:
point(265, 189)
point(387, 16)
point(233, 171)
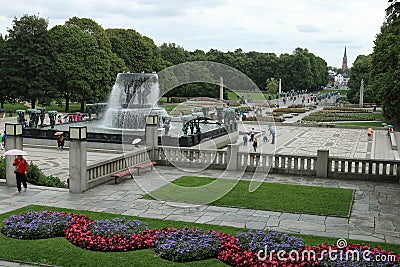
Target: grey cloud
point(307, 28)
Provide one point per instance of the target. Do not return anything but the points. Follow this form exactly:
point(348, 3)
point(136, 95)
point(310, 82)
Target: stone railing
point(100, 172)
point(191, 157)
point(321, 165)
point(364, 169)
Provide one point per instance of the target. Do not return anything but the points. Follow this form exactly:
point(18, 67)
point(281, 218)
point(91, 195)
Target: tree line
point(381, 69)
point(79, 61)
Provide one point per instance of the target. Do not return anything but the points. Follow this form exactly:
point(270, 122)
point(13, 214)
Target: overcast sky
point(323, 27)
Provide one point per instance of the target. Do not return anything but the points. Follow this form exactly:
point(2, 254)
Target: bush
point(35, 176)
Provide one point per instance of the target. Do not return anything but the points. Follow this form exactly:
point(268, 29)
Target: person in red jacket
point(21, 169)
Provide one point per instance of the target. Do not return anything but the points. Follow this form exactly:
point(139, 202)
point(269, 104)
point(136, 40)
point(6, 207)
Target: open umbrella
point(15, 152)
point(58, 133)
point(389, 126)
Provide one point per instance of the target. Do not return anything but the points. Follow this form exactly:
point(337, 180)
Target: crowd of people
point(250, 137)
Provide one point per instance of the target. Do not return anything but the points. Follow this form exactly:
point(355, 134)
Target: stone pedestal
point(151, 140)
point(77, 166)
point(12, 142)
point(322, 163)
point(232, 157)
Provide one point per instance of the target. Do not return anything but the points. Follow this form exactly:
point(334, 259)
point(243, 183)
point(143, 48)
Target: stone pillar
point(361, 104)
point(280, 88)
point(221, 88)
point(232, 157)
point(13, 141)
point(151, 135)
point(77, 159)
point(322, 163)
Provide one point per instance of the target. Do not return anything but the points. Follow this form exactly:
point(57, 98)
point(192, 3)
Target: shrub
point(35, 176)
point(36, 225)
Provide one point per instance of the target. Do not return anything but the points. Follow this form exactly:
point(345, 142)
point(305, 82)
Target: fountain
point(133, 97)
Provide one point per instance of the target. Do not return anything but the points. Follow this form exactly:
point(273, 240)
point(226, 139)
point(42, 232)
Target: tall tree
point(361, 70)
point(79, 64)
point(104, 82)
point(28, 59)
point(138, 52)
point(385, 74)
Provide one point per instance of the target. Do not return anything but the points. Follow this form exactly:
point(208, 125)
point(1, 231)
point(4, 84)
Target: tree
point(112, 65)
point(79, 64)
point(138, 52)
point(27, 60)
point(361, 70)
point(174, 53)
point(385, 74)
point(272, 86)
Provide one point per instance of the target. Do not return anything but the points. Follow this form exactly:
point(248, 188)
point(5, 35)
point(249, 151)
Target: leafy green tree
point(385, 74)
point(361, 70)
point(272, 86)
point(138, 52)
point(26, 60)
point(102, 84)
point(174, 53)
point(79, 64)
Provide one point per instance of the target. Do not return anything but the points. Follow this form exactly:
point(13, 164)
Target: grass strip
point(268, 196)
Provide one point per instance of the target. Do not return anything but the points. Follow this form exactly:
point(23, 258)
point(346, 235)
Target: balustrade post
point(232, 157)
point(14, 141)
point(77, 159)
point(322, 163)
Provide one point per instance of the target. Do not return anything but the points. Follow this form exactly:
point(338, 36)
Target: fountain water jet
point(133, 97)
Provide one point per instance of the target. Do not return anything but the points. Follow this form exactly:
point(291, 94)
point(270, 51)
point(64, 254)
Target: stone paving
point(341, 142)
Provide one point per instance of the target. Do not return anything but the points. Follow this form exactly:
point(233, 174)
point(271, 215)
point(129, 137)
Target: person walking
point(272, 132)
point(21, 169)
point(369, 134)
point(245, 139)
point(60, 143)
point(252, 134)
point(255, 144)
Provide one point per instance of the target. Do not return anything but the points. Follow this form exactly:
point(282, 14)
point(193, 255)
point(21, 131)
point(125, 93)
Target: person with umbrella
point(21, 169)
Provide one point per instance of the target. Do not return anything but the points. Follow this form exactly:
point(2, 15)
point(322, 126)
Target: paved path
point(375, 214)
point(341, 142)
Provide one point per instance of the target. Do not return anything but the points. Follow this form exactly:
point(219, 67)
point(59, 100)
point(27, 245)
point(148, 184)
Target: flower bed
point(80, 234)
point(345, 110)
point(187, 245)
point(254, 248)
point(36, 225)
point(322, 116)
point(289, 110)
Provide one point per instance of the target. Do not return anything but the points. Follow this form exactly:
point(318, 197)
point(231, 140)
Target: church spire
point(344, 62)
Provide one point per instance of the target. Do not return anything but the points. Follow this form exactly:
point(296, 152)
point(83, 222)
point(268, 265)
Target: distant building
point(344, 61)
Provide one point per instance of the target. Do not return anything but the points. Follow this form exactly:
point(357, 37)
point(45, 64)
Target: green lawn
point(269, 196)
point(58, 251)
point(237, 95)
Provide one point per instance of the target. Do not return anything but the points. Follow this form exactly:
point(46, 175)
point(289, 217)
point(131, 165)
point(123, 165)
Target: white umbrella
point(15, 152)
point(136, 141)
